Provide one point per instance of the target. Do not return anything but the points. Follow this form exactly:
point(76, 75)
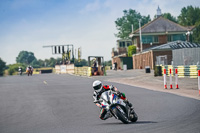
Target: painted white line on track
point(45, 82)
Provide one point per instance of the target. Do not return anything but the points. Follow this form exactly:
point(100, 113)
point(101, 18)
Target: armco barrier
point(183, 71)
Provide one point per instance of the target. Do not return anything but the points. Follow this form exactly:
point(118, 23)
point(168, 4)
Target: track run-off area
point(50, 103)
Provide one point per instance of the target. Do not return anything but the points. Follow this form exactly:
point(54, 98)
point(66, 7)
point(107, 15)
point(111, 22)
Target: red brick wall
point(162, 39)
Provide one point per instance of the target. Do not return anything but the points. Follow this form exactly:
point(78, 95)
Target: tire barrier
point(46, 71)
point(82, 71)
point(183, 71)
point(43, 70)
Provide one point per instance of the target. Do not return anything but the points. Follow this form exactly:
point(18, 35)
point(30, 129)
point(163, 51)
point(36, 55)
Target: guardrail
point(183, 71)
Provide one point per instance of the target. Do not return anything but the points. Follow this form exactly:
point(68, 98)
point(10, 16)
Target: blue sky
point(89, 24)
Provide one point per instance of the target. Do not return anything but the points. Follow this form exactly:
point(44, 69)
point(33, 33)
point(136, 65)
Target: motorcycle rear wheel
point(120, 116)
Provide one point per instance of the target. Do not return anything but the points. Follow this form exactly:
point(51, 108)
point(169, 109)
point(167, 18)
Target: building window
point(178, 37)
point(155, 38)
point(128, 44)
point(135, 41)
point(123, 44)
point(175, 37)
point(169, 38)
point(147, 39)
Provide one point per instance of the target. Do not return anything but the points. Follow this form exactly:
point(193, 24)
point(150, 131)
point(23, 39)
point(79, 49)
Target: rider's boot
point(128, 103)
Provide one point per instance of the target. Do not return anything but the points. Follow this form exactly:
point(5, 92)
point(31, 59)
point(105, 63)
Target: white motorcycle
point(117, 107)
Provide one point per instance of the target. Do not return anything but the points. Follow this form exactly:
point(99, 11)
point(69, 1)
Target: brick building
point(159, 31)
point(120, 55)
point(156, 37)
point(166, 53)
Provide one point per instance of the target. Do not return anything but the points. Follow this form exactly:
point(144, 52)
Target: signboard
point(63, 68)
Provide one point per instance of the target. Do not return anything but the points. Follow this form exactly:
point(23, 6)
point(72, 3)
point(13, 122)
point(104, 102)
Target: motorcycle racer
point(99, 88)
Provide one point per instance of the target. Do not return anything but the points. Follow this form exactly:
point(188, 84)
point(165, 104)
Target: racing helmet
point(97, 86)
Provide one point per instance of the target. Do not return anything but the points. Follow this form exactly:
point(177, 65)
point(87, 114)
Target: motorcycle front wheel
point(120, 116)
point(133, 116)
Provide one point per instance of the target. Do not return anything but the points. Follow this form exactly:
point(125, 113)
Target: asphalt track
point(52, 103)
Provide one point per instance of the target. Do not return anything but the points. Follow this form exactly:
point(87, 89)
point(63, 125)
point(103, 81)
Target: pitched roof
point(174, 45)
point(161, 24)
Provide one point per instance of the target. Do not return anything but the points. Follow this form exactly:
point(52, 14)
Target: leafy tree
point(25, 57)
point(170, 17)
point(41, 63)
point(108, 63)
point(196, 33)
point(131, 50)
point(52, 62)
point(189, 16)
point(35, 63)
point(13, 69)
point(2, 66)
point(124, 24)
point(83, 62)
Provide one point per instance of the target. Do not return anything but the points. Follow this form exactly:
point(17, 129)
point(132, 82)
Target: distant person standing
point(20, 70)
point(115, 65)
point(95, 65)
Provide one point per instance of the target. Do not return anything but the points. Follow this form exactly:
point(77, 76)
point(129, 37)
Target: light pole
point(188, 35)
point(140, 35)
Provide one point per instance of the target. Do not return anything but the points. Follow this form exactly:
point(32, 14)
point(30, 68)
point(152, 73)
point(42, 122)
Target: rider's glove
point(119, 94)
point(112, 87)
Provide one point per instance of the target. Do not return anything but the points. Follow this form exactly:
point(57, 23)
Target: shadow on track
point(138, 122)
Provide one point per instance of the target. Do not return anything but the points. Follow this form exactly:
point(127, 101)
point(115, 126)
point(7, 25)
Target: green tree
point(170, 17)
point(189, 16)
point(196, 33)
point(35, 63)
point(83, 62)
point(124, 24)
point(25, 57)
point(41, 63)
point(52, 62)
point(13, 68)
point(2, 67)
point(108, 63)
point(131, 50)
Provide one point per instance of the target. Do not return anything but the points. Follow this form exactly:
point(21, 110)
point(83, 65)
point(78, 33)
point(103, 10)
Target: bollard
point(199, 81)
point(165, 81)
point(176, 75)
point(170, 78)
